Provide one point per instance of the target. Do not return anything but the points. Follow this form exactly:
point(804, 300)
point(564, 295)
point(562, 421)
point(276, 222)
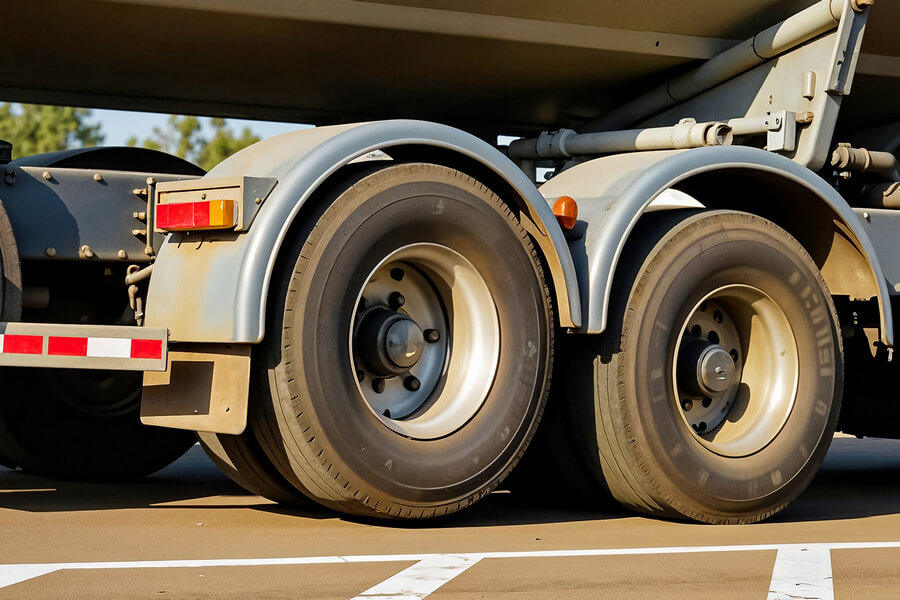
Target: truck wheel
point(243, 461)
point(83, 425)
point(409, 348)
point(716, 389)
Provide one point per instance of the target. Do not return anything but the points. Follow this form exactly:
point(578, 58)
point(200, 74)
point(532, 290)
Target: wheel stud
point(397, 274)
point(378, 385)
point(396, 300)
point(687, 404)
point(432, 336)
point(412, 383)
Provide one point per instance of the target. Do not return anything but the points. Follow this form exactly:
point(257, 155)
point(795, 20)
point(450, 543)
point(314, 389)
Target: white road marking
point(15, 573)
point(421, 579)
point(802, 573)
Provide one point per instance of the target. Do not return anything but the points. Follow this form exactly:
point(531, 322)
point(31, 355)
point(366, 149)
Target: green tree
point(183, 136)
point(34, 128)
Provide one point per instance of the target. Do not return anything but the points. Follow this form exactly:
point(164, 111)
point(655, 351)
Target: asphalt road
point(188, 532)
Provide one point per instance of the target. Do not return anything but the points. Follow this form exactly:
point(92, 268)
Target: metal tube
point(138, 276)
point(807, 24)
point(565, 143)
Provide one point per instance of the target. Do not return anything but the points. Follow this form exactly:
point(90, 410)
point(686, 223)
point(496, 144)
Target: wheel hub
point(389, 343)
point(705, 369)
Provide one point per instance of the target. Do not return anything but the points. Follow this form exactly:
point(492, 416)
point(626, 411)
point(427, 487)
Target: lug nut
point(396, 300)
point(412, 384)
point(432, 336)
point(687, 404)
point(378, 385)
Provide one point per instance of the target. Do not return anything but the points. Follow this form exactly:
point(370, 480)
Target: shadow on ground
point(860, 478)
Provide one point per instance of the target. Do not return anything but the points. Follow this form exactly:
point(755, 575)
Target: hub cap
point(736, 370)
point(425, 341)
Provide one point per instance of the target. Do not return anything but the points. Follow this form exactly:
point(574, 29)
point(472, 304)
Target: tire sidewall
point(705, 254)
point(388, 210)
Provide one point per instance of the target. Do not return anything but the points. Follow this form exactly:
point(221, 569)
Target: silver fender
point(215, 290)
point(613, 192)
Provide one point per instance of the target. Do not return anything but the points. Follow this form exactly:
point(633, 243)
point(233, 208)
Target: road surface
point(188, 532)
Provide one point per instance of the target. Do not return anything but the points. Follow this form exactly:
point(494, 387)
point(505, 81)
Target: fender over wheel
point(409, 346)
point(715, 391)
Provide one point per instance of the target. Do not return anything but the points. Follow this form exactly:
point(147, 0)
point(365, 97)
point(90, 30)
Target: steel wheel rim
point(760, 385)
point(442, 292)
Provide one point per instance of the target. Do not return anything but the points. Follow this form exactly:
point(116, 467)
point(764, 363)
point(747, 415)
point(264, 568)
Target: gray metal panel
point(71, 208)
point(613, 192)
point(215, 291)
point(883, 227)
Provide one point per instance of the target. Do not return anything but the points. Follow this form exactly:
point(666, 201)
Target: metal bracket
point(782, 131)
point(846, 49)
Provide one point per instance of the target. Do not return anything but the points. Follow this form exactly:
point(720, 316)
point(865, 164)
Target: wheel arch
point(618, 190)
point(229, 303)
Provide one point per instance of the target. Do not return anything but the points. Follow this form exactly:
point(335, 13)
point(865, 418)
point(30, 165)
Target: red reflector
point(23, 344)
point(209, 214)
point(67, 346)
point(146, 348)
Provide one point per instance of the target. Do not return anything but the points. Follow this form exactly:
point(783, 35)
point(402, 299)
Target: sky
point(119, 125)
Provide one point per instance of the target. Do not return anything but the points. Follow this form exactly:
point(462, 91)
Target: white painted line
point(13, 573)
point(802, 573)
point(104, 347)
point(421, 579)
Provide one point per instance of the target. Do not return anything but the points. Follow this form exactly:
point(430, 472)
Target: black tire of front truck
point(715, 391)
point(10, 310)
point(432, 399)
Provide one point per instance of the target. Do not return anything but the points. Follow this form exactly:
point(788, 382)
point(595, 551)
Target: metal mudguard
point(212, 288)
point(613, 192)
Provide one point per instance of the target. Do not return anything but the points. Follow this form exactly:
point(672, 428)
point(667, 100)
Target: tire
point(243, 461)
point(677, 430)
point(83, 425)
point(482, 379)
point(10, 310)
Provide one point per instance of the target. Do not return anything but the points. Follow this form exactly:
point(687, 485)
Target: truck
point(642, 250)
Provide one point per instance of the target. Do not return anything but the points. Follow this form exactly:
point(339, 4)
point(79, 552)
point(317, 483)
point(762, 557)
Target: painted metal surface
point(614, 192)
point(521, 66)
point(213, 287)
point(64, 209)
point(83, 346)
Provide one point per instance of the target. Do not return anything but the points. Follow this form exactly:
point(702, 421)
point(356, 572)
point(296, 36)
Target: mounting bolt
point(86, 251)
point(396, 300)
point(98, 177)
point(258, 200)
point(432, 336)
point(9, 177)
point(46, 175)
point(51, 251)
point(122, 254)
point(140, 216)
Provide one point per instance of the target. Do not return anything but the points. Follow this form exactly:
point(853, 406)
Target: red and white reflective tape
point(92, 347)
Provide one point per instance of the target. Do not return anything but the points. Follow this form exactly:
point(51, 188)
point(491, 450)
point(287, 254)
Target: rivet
point(258, 200)
point(86, 251)
point(51, 251)
point(46, 175)
point(122, 254)
point(98, 177)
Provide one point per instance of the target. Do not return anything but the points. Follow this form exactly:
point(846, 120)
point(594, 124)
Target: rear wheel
point(410, 347)
point(79, 424)
point(715, 392)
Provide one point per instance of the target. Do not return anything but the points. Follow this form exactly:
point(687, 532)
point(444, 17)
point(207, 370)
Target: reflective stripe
point(103, 347)
point(23, 344)
point(67, 346)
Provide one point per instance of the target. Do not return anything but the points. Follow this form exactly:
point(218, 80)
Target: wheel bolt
point(687, 404)
point(396, 300)
point(397, 274)
point(378, 385)
point(412, 384)
point(432, 335)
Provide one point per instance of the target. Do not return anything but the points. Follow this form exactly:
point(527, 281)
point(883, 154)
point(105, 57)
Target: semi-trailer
point(674, 286)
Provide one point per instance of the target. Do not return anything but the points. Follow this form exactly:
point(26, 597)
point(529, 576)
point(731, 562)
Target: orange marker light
point(566, 210)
